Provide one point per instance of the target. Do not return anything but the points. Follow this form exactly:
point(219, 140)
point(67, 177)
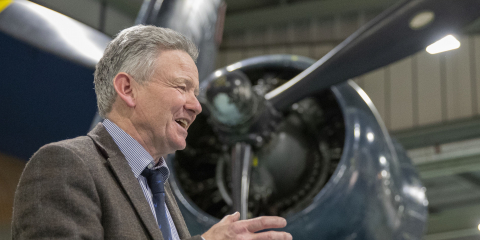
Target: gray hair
point(134, 51)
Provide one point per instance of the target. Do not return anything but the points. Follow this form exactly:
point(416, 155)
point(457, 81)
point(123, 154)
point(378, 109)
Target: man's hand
point(229, 228)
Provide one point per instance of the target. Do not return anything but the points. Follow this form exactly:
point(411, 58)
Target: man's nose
point(193, 105)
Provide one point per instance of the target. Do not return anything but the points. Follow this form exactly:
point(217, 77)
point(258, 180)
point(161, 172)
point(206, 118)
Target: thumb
point(231, 218)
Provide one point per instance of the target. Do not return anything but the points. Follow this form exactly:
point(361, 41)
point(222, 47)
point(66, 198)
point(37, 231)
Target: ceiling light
point(478, 227)
point(445, 44)
point(422, 19)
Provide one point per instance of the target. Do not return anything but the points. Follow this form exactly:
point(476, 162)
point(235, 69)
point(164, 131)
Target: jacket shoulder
point(78, 146)
point(57, 188)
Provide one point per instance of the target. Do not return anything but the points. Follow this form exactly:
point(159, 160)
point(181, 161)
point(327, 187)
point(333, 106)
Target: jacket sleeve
point(56, 198)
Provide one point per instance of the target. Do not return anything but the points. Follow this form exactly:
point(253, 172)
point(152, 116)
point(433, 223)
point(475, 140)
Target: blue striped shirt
point(138, 158)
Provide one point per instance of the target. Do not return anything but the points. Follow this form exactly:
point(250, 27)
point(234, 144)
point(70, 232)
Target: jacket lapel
point(125, 177)
point(175, 213)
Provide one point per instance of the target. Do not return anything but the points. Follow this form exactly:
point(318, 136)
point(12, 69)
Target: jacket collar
point(125, 177)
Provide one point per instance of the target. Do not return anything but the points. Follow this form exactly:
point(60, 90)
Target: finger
point(272, 235)
point(231, 218)
point(260, 223)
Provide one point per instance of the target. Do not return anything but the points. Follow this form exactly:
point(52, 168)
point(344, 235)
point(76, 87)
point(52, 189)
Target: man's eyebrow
point(189, 84)
point(184, 81)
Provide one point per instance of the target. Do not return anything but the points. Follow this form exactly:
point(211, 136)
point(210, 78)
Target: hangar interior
point(430, 103)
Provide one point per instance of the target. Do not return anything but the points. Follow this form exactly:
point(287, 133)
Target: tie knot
point(154, 179)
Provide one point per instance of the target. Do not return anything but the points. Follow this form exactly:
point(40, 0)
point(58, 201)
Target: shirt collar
point(137, 157)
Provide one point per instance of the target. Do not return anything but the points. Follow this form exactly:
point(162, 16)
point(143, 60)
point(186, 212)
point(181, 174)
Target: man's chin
point(179, 145)
point(182, 148)
point(178, 140)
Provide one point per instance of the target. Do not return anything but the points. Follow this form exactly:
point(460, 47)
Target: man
point(99, 186)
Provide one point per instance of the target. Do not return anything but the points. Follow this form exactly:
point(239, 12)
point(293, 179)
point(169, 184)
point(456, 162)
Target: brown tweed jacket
point(83, 188)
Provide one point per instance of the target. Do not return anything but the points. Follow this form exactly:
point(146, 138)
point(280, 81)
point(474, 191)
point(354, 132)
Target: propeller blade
point(241, 171)
point(400, 31)
point(53, 32)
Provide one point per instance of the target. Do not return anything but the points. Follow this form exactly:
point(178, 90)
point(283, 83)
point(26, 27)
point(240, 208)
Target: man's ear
point(124, 85)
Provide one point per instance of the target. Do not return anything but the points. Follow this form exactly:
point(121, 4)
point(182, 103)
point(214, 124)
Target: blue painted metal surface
point(374, 193)
point(45, 98)
point(47, 61)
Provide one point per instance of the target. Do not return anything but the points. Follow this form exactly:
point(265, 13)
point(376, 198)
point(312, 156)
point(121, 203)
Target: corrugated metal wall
point(425, 89)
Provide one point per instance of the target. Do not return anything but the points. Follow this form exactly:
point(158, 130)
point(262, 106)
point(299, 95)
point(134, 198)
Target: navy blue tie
point(156, 182)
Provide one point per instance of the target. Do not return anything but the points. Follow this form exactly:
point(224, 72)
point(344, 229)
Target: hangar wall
point(427, 89)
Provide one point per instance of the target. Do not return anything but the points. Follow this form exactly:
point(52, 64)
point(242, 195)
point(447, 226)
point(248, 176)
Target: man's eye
point(183, 88)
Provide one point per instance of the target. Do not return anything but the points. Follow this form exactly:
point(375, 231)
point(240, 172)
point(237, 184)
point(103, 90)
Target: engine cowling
point(328, 164)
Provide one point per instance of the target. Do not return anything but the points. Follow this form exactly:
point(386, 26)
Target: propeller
point(53, 32)
point(398, 32)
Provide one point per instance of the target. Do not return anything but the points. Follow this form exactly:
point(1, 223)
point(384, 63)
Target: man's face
point(167, 105)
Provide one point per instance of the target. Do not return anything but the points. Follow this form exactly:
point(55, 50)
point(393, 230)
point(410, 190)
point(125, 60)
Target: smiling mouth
point(182, 122)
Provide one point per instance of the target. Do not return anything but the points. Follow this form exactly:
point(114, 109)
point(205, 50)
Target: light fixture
point(421, 20)
point(445, 44)
point(478, 227)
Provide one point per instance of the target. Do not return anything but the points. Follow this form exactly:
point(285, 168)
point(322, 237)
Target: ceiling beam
point(453, 235)
point(471, 178)
point(453, 166)
point(284, 14)
point(439, 133)
point(453, 223)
